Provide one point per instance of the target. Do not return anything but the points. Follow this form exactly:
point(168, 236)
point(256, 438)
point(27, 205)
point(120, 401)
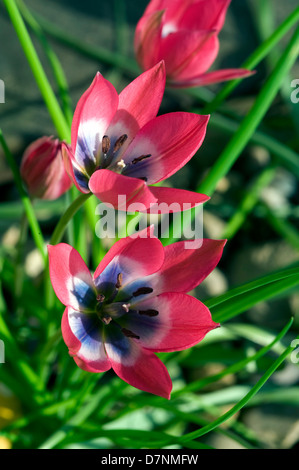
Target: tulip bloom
point(185, 35)
point(42, 169)
point(120, 147)
point(134, 305)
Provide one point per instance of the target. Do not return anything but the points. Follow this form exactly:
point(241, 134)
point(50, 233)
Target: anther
point(129, 333)
point(149, 313)
point(105, 144)
point(119, 281)
point(139, 159)
point(142, 291)
point(119, 143)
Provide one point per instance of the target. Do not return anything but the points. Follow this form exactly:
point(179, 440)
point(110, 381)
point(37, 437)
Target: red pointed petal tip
point(43, 171)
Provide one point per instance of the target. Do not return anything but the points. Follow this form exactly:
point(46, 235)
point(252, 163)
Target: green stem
point(32, 220)
point(38, 71)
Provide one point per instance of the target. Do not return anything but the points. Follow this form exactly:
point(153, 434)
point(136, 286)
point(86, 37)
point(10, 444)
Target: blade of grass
point(42, 81)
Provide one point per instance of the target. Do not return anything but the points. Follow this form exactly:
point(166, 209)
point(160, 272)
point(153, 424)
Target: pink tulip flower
point(185, 35)
point(120, 147)
point(42, 169)
point(134, 305)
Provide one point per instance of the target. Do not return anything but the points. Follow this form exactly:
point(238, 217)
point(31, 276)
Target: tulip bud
point(43, 171)
point(185, 35)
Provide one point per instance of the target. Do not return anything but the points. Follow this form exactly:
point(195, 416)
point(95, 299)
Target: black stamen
point(139, 159)
point(119, 281)
point(149, 313)
point(144, 178)
point(105, 144)
point(119, 143)
point(142, 291)
point(129, 333)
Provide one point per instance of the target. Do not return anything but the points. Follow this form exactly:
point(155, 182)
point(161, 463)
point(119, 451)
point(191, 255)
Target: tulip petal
point(70, 277)
point(174, 200)
point(120, 245)
point(166, 144)
point(135, 365)
point(83, 334)
point(168, 322)
point(94, 112)
point(199, 63)
point(139, 102)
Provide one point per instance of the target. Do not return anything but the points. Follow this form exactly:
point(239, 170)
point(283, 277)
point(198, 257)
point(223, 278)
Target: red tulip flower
point(185, 35)
point(120, 147)
point(43, 171)
point(134, 305)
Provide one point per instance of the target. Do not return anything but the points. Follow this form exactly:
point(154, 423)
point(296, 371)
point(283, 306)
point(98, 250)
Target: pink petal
point(179, 48)
point(214, 77)
point(139, 102)
point(85, 344)
point(182, 321)
point(200, 62)
point(205, 15)
point(120, 246)
point(171, 140)
point(70, 277)
point(93, 114)
point(138, 367)
point(74, 170)
point(108, 186)
point(138, 258)
point(147, 39)
point(184, 269)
